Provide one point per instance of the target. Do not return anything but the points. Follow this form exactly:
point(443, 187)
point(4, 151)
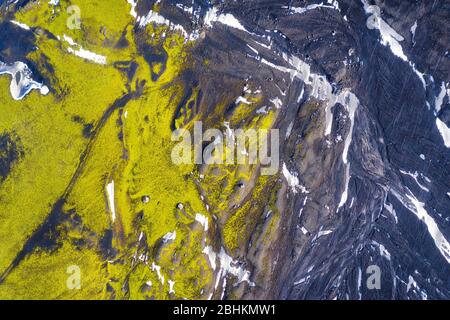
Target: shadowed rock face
point(363, 118)
point(15, 44)
point(10, 152)
point(397, 160)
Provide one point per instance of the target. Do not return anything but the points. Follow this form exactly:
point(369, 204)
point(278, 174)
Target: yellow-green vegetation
point(100, 124)
point(44, 271)
point(238, 194)
point(102, 24)
point(94, 185)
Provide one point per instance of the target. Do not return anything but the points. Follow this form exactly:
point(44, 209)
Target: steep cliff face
point(360, 94)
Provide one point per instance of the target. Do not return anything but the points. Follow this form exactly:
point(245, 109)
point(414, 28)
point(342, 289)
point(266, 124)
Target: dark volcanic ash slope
point(365, 111)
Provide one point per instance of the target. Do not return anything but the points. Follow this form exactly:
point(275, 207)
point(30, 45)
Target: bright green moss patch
point(101, 123)
point(88, 196)
point(47, 275)
point(103, 24)
point(51, 154)
point(105, 123)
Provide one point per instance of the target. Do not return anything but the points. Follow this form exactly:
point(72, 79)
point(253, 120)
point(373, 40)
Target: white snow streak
point(82, 53)
point(20, 25)
point(439, 101)
point(112, 206)
point(212, 17)
point(293, 181)
point(389, 37)
point(21, 80)
point(415, 176)
point(170, 236)
point(418, 208)
point(444, 131)
point(203, 220)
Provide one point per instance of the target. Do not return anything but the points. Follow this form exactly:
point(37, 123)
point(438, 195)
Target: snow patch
point(20, 25)
point(321, 88)
point(277, 102)
point(171, 285)
point(332, 4)
point(389, 37)
point(112, 206)
point(289, 129)
point(170, 236)
point(390, 208)
point(344, 195)
point(157, 268)
point(304, 230)
point(82, 53)
point(411, 283)
point(302, 280)
point(321, 233)
point(227, 266)
point(439, 101)
point(243, 100)
point(211, 256)
point(383, 251)
point(203, 220)
point(212, 17)
point(293, 181)
point(418, 208)
point(21, 80)
point(415, 176)
point(155, 17)
point(444, 131)
point(133, 4)
point(413, 29)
